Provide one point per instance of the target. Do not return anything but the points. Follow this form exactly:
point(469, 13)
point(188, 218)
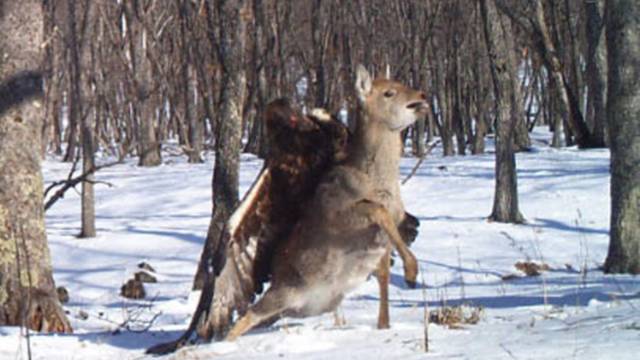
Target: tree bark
point(27, 290)
point(596, 68)
point(480, 83)
point(256, 143)
point(497, 31)
point(188, 91)
point(456, 112)
point(623, 117)
point(418, 49)
point(145, 92)
point(318, 54)
point(522, 141)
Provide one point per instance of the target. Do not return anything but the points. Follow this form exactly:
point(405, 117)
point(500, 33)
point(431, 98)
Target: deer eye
point(389, 93)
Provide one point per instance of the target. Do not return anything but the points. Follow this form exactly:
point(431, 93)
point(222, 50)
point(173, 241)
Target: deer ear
point(363, 82)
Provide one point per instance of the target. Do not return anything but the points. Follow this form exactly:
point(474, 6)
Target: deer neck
point(376, 150)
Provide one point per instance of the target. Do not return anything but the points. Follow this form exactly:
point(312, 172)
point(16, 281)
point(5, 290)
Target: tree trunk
point(418, 142)
point(555, 116)
point(623, 117)
point(576, 82)
point(256, 143)
point(480, 82)
point(78, 113)
point(51, 79)
point(145, 106)
point(497, 31)
point(226, 167)
point(318, 54)
point(188, 90)
point(522, 141)
point(27, 290)
point(72, 141)
point(596, 67)
point(477, 146)
point(456, 113)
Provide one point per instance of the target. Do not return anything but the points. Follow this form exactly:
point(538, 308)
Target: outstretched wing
point(248, 250)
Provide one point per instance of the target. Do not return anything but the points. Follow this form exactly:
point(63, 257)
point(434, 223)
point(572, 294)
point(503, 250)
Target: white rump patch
point(236, 218)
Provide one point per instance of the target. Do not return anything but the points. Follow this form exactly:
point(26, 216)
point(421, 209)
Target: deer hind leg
point(382, 217)
point(268, 308)
point(338, 318)
point(382, 274)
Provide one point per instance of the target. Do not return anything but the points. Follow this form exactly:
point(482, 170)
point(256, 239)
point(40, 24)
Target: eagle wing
point(248, 248)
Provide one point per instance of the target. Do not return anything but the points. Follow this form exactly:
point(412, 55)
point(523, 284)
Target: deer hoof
point(411, 283)
point(410, 276)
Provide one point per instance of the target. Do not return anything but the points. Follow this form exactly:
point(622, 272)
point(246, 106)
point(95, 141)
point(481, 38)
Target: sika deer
point(350, 225)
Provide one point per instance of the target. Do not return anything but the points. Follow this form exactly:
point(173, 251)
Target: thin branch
point(71, 183)
point(74, 166)
point(100, 182)
point(415, 168)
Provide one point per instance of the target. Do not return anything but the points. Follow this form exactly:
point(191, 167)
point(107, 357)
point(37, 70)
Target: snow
point(160, 215)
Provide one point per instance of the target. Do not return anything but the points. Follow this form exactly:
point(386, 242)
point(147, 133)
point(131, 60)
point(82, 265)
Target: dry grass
point(531, 268)
point(455, 317)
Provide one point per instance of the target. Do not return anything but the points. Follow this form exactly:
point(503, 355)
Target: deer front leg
point(267, 308)
point(409, 261)
point(246, 323)
point(382, 274)
point(382, 217)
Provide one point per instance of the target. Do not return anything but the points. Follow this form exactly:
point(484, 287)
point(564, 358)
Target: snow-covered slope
point(160, 216)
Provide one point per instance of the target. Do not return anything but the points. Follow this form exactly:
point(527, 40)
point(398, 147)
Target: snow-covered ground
point(160, 216)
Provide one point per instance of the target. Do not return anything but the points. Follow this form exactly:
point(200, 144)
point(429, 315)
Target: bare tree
point(497, 30)
point(143, 85)
point(27, 290)
point(259, 61)
point(596, 68)
point(77, 36)
point(234, 16)
point(623, 117)
point(188, 89)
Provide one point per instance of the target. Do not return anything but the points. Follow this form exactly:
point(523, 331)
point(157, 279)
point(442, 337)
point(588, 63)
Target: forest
point(160, 159)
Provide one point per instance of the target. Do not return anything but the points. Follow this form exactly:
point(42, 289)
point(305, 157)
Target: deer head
point(389, 102)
